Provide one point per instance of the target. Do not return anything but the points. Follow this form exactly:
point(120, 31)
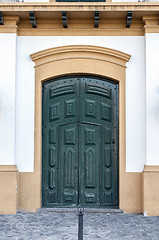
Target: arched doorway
point(80, 142)
point(78, 60)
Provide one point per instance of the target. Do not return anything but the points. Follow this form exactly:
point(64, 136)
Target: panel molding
point(10, 24)
point(80, 52)
point(51, 24)
point(151, 24)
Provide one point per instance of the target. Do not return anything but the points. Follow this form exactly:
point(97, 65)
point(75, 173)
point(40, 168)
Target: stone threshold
point(86, 210)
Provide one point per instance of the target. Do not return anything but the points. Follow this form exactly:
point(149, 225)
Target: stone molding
point(151, 24)
point(79, 51)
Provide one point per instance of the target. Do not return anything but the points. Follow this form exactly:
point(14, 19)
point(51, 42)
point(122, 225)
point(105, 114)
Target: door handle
point(113, 141)
point(76, 167)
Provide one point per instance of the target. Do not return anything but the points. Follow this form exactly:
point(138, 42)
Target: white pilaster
point(7, 97)
point(152, 98)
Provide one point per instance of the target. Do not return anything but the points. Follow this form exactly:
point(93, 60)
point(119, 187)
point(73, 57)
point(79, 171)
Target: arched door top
point(80, 59)
point(80, 49)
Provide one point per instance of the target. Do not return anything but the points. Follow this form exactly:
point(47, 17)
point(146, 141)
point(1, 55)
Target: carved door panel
point(80, 142)
point(89, 171)
point(59, 108)
point(99, 106)
point(68, 165)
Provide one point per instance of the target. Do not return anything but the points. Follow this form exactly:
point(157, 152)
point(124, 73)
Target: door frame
point(78, 60)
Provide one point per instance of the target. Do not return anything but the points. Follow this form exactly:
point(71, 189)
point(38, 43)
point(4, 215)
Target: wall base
point(151, 190)
point(130, 200)
point(8, 189)
point(29, 192)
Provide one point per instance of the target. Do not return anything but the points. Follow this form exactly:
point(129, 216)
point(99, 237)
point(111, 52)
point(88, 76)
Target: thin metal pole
point(80, 223)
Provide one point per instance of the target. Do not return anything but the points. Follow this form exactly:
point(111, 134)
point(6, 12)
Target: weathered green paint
point(80, 142)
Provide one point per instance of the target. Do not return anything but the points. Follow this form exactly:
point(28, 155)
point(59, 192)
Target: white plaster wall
point(151, 1)
point(126, 0)
point(152, 98)
point(35, 1)
point(24, 0)
point(135, 94)
point(7, 97)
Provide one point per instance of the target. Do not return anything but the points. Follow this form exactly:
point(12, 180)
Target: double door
point(80, 142)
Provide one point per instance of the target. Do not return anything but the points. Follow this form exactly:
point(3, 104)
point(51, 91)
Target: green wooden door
point(80, 142)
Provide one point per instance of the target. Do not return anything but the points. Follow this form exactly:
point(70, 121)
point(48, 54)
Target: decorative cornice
point(81, 48)
point(80, 6)
point(10, 24)
point(49, 24)
point(151, 24)
point(80, 52)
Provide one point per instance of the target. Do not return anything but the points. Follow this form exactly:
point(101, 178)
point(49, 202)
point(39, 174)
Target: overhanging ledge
point(80, 6)
point(81, 18)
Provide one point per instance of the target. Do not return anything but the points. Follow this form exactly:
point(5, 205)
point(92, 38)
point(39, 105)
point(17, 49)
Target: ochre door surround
point(78, 60)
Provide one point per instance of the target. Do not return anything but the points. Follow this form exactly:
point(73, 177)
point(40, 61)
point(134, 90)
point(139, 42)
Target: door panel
point(63, 101)
point(89, 173)
point(68, 162)
point(80, 142)
point(96, 104)
point(59, 106)
point(50, 167)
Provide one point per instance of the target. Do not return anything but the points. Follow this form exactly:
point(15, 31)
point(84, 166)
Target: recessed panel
point(107, 178)
point(52, 135)
point(55, 112)
point(107, 156)
point(52, 179)
point(90, 136)
point(69, 169)
point(105, 112)
point(107, 135)
point(90, 173)
point(70, 108)
point(69, 195)
point(70, 135)
point(90, 108)
point(90, 198)
point(52, 156)
point(107, 197)
point(98, 90)
point(62, 90)
point(51, 197)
